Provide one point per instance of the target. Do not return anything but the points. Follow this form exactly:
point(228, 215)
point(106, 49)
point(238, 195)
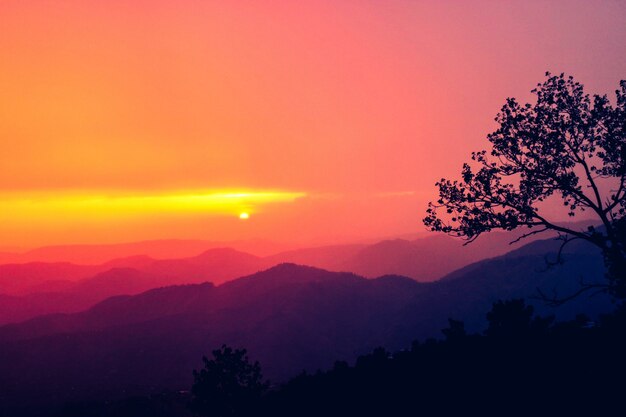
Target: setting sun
point(374, 207)
point(81, 213)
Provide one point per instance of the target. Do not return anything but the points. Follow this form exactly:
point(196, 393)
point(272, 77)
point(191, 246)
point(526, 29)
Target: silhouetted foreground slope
point(519, 366)
point(289, 317)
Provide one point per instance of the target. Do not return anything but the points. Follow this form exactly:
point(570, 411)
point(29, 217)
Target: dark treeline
point(521, 364)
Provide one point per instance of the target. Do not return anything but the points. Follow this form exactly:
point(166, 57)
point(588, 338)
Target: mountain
point(424, 259)
point(64, 288)
point(37, 288)
point(215, 265)
point(71, 297)
point(160, 249)
point(19, 279)
point(332, 257)
point(468, 292)
point(289, 317)
point(6, 257)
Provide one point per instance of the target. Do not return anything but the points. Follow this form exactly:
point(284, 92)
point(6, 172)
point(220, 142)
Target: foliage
point(228, 385)
point(521, 365)
point(513, 319)
point(565, 146)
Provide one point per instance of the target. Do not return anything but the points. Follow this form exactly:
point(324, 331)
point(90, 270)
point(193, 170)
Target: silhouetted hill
point(47, 288)
point(551, 247)
point(333, 257)
point(424, 259)
point(519, 365)
point(59, 287)
point(289, 317)
point(303, 315)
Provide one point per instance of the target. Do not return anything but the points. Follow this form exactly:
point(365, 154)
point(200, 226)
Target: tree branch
point(555, 301)
point(525, 235)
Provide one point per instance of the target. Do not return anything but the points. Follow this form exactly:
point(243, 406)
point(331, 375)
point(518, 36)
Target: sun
point(244, 216)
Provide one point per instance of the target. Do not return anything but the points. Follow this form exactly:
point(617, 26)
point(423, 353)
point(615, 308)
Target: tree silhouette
point(455, 331)
point(513, 319)
point(228, 385)
point(565, 146)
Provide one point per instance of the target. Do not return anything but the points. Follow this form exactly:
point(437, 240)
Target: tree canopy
point(228, 385)
point(567, 146)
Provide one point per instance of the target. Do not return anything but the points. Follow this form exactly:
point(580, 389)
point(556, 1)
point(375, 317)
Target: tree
point(228, 385)
point(565, 146)
point(455, 332)
point(513, 319)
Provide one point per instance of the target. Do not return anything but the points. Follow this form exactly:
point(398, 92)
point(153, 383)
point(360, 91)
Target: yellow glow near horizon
point(68, 207)
point(244, 216)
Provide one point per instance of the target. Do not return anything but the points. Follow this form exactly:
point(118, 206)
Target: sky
point(323, 121)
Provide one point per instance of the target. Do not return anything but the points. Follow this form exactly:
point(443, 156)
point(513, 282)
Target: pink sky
point(347, 112)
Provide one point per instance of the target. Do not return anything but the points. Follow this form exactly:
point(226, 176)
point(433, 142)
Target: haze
point(326, 121)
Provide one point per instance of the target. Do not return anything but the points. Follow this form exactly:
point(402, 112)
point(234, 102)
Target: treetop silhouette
point(566, 145)
point(228, 385)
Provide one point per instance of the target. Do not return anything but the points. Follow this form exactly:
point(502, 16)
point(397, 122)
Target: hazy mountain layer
point(289, 317)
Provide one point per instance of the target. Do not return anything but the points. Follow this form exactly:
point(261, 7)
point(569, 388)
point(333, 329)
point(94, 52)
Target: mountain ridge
point(289, 317)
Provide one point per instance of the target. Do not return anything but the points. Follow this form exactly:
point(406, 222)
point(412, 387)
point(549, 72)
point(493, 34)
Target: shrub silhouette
point(228, 385)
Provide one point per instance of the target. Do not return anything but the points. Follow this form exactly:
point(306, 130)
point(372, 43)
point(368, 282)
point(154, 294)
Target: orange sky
point(345, 112)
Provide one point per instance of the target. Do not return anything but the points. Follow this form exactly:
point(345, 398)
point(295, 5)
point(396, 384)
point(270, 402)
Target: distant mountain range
point(31, 289)
point(289, 317)
point(87, 254)
point(96, 254)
